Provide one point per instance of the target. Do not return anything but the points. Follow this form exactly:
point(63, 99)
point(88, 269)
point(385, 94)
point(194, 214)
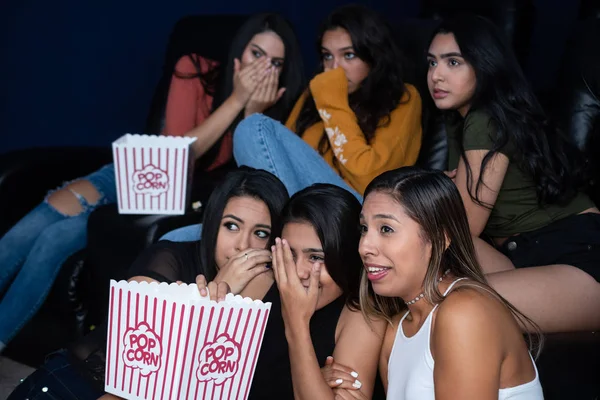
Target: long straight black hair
point(219, 81)
point(242, 182)
point(503, 93)
point(382, 90)
point(333, 212)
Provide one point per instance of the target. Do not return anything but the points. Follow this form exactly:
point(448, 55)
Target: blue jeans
point(189, 233)
point(58, 378)
point(263, 143)
point(34, 249)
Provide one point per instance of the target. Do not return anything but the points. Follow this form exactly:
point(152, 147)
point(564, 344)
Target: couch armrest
point(27, 175)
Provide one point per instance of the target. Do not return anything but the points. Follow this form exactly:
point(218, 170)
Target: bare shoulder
point(468, 309)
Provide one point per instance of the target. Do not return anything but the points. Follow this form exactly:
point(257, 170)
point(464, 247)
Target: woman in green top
point(519, 178)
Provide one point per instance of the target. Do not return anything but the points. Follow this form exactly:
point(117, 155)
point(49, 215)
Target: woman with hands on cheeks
point(263, 73)
point(317, 313)
point(357, 118)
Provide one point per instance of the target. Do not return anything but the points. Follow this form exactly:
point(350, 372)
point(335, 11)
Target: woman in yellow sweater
point(357, 119)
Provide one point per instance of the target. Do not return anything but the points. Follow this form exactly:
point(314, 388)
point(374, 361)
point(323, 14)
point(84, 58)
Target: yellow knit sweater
point(358, 162)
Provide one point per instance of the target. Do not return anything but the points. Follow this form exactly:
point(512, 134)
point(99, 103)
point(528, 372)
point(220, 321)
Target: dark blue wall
point(83, 73)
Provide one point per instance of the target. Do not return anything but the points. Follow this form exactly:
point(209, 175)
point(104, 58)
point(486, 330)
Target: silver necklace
point(419, 297)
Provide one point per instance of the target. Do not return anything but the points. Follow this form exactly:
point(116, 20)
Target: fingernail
point(357, 384)
point(203, 292)
point(354, 374)
point(339, 381)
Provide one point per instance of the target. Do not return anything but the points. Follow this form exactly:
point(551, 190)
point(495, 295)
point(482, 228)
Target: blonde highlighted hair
point(432, 200)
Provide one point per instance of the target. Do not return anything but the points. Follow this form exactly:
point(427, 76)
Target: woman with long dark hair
point(357, 119)
point(263, 73)
point(520, 179)
point(241, 220)
point(316, 314)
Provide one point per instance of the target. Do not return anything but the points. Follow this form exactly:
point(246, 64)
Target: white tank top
point(410, 368)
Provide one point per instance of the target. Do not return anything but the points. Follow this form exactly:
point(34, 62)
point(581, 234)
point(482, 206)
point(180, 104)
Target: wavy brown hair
point(382, 90)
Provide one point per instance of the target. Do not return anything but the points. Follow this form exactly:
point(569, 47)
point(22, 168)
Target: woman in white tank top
point(451, 335)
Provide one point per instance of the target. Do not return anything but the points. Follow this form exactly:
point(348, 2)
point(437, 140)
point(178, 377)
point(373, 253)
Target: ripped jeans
point(34, 249)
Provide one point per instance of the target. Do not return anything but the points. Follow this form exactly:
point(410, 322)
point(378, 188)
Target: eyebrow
point(342, 49)
point(233, 217)
point(242, 221)
point(312, 250)
point(386, 216)
point(446, 55)
point(381, 216)
point(264, 53)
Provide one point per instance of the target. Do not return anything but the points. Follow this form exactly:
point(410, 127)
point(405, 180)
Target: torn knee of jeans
point(67, 210)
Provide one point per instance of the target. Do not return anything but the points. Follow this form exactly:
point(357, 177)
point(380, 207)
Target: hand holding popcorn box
point(153, 173)
point(167, 342)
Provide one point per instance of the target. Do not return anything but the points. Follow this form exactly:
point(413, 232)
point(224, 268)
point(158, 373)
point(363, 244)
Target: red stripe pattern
point(164, 345)
point(152, 177)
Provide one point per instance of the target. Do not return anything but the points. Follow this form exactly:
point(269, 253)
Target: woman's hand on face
point(243, 267)
point(333, 79)
point(266, 94)
point(216, 291)
point(298, 303)
point(339, 376)
point(246, 80)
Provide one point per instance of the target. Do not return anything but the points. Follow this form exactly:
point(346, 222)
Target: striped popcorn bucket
point(166, 342)
point(153, 173)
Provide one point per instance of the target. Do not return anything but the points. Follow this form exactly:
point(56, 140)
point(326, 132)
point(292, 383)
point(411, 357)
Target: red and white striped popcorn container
point(167, 342)
point(153, 173)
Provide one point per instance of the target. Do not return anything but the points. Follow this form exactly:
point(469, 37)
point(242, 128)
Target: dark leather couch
point(576, 101)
